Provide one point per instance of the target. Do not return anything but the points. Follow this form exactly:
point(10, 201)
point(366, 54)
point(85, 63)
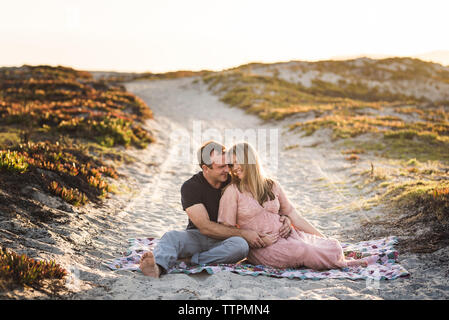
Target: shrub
point(13, 161)
point(71, 102)
point(352, 157)
point(81, 173)
point(72, 196)
point(432, 197)
point(26, 271)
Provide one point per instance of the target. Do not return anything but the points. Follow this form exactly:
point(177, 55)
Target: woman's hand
point(270, 238)
point(286, 228)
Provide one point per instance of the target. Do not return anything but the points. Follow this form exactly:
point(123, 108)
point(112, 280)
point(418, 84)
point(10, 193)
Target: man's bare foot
point(149, 266)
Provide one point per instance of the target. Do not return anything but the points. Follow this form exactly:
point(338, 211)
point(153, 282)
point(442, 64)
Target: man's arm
point(198, 215)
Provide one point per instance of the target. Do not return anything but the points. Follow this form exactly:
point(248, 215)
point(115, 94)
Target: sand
point(317, 181)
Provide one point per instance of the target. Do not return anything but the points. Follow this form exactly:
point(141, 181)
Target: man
point(204, 241)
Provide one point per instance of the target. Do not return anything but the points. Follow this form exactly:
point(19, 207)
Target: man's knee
point(173, 238)
point(239, 247)
point(173, 234)
point(171, 244)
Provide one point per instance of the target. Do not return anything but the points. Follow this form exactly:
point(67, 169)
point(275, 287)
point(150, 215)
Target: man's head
point(212, 160)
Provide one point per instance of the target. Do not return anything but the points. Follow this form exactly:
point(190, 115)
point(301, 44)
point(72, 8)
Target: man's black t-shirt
point(198, 190)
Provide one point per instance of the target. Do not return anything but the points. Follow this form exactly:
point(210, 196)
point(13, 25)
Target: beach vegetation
point(23, 270)
point(350, 107)
point(418, 210)
point(58, 125)
point(13, 161)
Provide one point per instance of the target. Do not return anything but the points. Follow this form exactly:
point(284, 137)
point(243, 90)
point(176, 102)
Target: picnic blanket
point(386, 267)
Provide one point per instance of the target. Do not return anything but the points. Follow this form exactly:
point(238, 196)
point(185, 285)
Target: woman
point(252, 201)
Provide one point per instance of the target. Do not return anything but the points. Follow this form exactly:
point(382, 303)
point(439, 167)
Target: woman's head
point(244, 162)
point(247, 172)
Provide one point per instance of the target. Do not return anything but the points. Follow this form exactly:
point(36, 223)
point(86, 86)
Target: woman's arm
point(300, 223)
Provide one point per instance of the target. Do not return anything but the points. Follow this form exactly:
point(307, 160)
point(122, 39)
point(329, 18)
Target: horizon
point(335, 58)
point(199, 35)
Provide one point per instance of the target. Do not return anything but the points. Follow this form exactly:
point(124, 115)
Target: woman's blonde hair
point(254, 180)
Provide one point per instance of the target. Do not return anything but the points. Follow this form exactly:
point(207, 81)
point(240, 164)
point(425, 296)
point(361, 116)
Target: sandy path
point(315, 179)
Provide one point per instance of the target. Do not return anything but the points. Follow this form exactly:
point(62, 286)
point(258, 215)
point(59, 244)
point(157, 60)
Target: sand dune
point(315, 179)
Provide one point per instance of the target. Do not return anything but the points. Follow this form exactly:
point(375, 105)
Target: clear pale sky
point(167, 35)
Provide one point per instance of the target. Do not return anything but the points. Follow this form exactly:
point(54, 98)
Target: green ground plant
point(22, 270)
point(61, 121)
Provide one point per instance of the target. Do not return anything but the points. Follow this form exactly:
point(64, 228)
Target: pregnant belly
point(263, 222)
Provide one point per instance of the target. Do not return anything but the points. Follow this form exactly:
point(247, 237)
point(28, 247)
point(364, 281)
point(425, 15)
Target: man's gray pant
point(202, 249)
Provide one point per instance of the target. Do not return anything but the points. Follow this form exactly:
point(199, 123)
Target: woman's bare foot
point(364, 262)
point(355, 263)
point(149, 266)
point(371, 259)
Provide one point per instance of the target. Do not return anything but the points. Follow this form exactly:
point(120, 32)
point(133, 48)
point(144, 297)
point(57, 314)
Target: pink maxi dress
point(298, 250)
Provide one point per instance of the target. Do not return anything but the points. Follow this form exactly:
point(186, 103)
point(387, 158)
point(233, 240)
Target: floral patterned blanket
point(386, 267)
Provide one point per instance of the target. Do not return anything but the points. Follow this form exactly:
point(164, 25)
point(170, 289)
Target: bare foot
point(356, 263)
point(149, 266)
point(364, 262)
point(371, 259)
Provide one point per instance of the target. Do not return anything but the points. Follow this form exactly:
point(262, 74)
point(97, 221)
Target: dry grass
point(274, 98)
point(418, 211)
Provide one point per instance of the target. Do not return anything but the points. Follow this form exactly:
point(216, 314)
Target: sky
point(169, 35)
